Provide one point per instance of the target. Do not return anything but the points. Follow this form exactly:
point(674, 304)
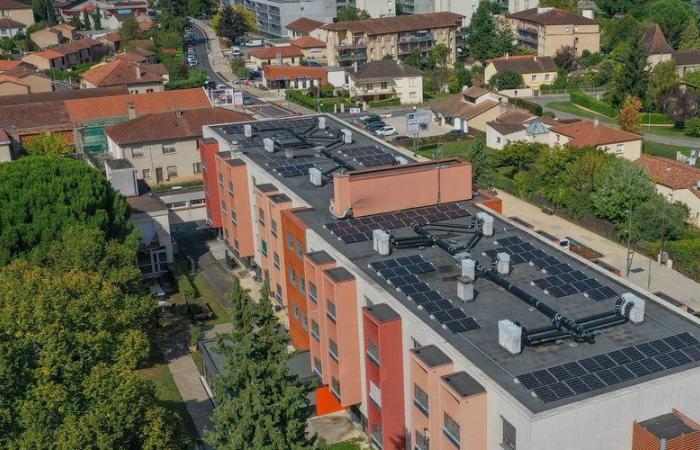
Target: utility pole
point(629, 244)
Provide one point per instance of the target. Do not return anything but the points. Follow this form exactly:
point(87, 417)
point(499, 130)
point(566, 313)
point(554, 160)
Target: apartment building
point(463, 7)
point(360, 41)
point(67, 56)
point(273, 16)
point(546, 30)
point(431, 318)
point(379, 80)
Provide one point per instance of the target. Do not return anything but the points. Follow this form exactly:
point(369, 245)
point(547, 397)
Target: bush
point(195, 334)
point(187, 290)
point(325, 104)
point(684, 253)
point(532, 107)
point(581, 99)
point(692, 127)
point(394, 101)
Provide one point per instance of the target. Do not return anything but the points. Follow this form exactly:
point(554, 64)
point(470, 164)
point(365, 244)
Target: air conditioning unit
point(315, 176)
point(510, 336)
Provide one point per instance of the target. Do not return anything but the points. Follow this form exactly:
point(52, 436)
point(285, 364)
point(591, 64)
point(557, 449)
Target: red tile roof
point(308, 42)
point(655, 42)
point(112, 37)
point(7, 64)
point(286, 51)
point(130, 57)
point(4, 138)
point(304, 25)
point(670, 173)
point(282, 72)
point(170, 125)
point(13, 80)
point(119, 72)
point(585, 133)
point(397, 24)
point(9, 23)
point(552, 16)
point(12, 4)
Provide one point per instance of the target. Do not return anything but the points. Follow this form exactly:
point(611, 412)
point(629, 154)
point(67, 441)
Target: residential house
point(138, 55)
point(304, 26)
point(686, 61)
point(15, 17)
point(677, 181)
point(474, 107)
point(284, 54)
point(9, 28)
point(379, 80)
point(25, 76)
point(12, 86)
point(112, 41)
point(356, 42)
point(53, 36)
point(5, 147)
point(547, 30)
point(294, 77)
point(592, 133)
point(656, 46)
point(162, 147)
point(136, 77)
point(9, 64)
point(518, 125)
point(273, 16)
point(535, 70)
point(312, 48)
point(66, 56)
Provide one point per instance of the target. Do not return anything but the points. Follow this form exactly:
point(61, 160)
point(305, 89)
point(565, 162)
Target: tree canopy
point(673, 17)
point(620, 187)
point(506, 80)
point(485, 39)
point(630, 77)
point(47, 144)
point(349, 13)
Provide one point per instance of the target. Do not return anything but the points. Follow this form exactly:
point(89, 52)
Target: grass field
point(206, 295)
point(665, 150)
point(344, 446)
point(458, 148)
point(571, 108)
point(668, 132)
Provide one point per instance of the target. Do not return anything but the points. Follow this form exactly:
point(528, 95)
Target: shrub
point(581, 99)
point(195, 334)
point(394, 101)
point(532, 107)
point(692, 127)
point(187, 290)
point(684, 253)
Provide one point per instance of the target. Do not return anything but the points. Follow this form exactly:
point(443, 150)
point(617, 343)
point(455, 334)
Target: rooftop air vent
point(503, 263)
point(465, 289)
point(636, 314)
point(269, 145)
point(468, 266)
point(347, 136)
point(380, 242)
point(289, 153)
point(486, 223)
point(401, 160)
point(510, 336)
point(315, 176)
point(321, 123)
point(248, 130)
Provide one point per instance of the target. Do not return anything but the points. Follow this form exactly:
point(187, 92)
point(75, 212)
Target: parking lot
point(397, 119)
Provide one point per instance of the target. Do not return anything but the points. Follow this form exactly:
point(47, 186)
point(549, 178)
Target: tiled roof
point(670, 173)
point(43, 97)
point(655, 42)
point(586, 133)
point(397, 24)
point(511, 121)
point(552, 16)
point(304, 25)
point(130, 57)
point(48, 54)
point(112, 37)
point(4, 138)
point(119, 72)
point(475, 92)
point(66, 49)
point(308, 42)
point(456, 106)
point(286, 51)
point(142, 43)
point(47, 114)
point(385, 69)
point(687, 57)
point(524, 64)
point(14, 80)
point(154, 102)
point(282, 72)
point(9, 23)
point(23, 71)
point(7, 64)
point(12, 4)
point(170, 125)
point(143, 52)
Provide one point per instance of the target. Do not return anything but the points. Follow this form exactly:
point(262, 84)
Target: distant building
point(514, 6)
point(535, 70)
point(686, 61)
point(24, 79)
point(464, 7)
point(379, 80)
point(53, 36)
point(656, 46)
point(15, 17)
point(294, 77)
point(273, 16)
point(471, 108)
point(592, 133)
point(138, 78)
point(306, 27)
point(67, 56)
point(677, 181)
point(314, 50)
point(518, 125)
point(375, 8)
point(285, 54)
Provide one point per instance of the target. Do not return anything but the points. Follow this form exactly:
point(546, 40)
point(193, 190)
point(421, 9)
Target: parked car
point(221, 86)
point(254, 43)
point(313, 64)
point(247, 101)
point(385, 131)
point(192, 61)
point(210, 84)
point(376, 125)
point(369, 119)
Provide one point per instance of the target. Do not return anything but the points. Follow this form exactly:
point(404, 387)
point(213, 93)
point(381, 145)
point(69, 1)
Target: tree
point(97, 20)
point(75, 21)
point(460, 78)
point(673, 17)
point(619, 30)
point(662, 80)
point(251, 24)
point(47, 144)
point(399, 8)
point(613, 7)
point(481, 34)
point(692, 127)
point(681, 104)
point(350, 13)
point(44, 11)
point(659, 220)
point(86, 21)
point(569, 5)
point(630, 77)
point(130, 29)
point(506, 80)
point(482, 164)
point(227, 27)
point(693, 77)
point(199, 8)
point(519, 154)
point(440, 54)
point(690, 38)
point(629, 118)
point(620, 186)
point(414, 59)
point(217, 18)
point(565, 59)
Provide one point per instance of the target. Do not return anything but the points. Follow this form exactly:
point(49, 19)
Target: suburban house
point(15, 17)
point(162, 147)
point(360, 41)
point(138, 54)
point(53, 36)
point(474, 107)
point(592, 133)
point(23, 79)
point(111, 41)
point(66, 56)
point(656, 46)
point(293, 77)
point(312, 48)
point(379, 80)
point(5, 147)
point(686, 61)
point(304, 26)
point(138, 78)
point(518, 125)
point(546, 30)
point(678, 181)
point(285, 54)
point(535, 70)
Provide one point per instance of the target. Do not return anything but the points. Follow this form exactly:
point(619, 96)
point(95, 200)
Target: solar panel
point(294, 170)
point(578, 386)
point(376, 160)
point(545, 394)
point(462, 325)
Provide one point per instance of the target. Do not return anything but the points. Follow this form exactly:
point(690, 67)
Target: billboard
point(221, 97)
point(418, 121)
point(238, 98)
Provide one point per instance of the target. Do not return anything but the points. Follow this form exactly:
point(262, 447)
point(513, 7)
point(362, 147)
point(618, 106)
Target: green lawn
point(668, 132)
point(458, 148)
point(571, 108)
point(206, 295)
point(665, 150)
point(344, 446)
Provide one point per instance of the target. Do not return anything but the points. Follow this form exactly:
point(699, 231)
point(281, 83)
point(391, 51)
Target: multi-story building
point(15, 17)
point(273, 16)
point(360, 41)
point(463, 7)
point(546, 30)
point(433, 319)
point(67, 56)
point(379, 80)
point(377, 8)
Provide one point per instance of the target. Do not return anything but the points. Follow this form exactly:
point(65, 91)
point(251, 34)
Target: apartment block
point(273, 16)
point(433, 320)
point(464, 7)
point(356, 42)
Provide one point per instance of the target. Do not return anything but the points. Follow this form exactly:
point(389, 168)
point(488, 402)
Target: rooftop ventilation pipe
point(636, 305)
point(321, 123)
point(288, 153)
point(510, 336)
point(486, 223)
point(465, 288)
point(403, 161)
point(248, 130)
point(381, 242)
point(503, 263)
point(269, 145)
point(315, 176)
point(347, 136)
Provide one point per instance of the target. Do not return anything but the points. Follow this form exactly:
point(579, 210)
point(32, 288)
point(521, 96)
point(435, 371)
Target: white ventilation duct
point(289, 153)
point(468, 266)
point(321, 123)
point(347, 136)
point(269, 145)
point(637, 312)
point(503, 263)
point(381, 242)
point(486, 223)
point(465, 289)
point(510, 336)
point(248, 130)
point(315, 176)
point(401, 160)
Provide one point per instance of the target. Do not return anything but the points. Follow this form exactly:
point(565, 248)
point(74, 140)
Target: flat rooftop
point(541, 377)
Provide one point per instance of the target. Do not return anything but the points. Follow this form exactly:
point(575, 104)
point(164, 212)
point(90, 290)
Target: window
point(293, 277)
point(290, 241)
point(197, 167)
point(508, 441)
point(304, 323)
point(276, 259)
point(261, 216)
point(451, 429)
point(234, 219)
point(384, 84)
point(302, 286)
point(221, 179)
point(333, 349)
point(299, 249)
point(230, 187)
point(498, 139)
point(330, 310)
point(534, 77)
point(279, 291)
point(169, 148)
point(335, 387)
point(146, 174)
point(421, 441)
point(313, 293)
point(223, 207)
point(619, 149)
point(137, 152)
point(317, 367)
point(546, 77)
point(235, 244)
point(172, 171)
point(263, 246)
point(315, 330)
point(296, 312)
point(197, 201)
point(420, 399)
point(273, 227)
point(373, 351)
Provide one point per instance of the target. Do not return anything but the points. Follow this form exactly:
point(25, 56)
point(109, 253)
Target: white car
point(385, 131)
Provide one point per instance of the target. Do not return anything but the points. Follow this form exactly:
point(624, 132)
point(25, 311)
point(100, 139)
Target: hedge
point(581, 99)
point(684, 253)
point(394, 101)
point(532, 107)
point(325, 104)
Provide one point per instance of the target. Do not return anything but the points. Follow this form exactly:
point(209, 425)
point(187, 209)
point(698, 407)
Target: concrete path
point(662, 279)
point(218, 278)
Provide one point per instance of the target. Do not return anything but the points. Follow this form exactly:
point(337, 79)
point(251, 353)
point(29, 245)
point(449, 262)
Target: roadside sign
point(221, 97)
point(355, 110)
point(238, 98)
point(418, 121)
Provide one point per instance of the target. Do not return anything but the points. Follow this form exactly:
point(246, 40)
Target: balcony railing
point(409, 50)
point(528, 39)
point(352, 45)
point(421, 38)
point(352, 57)
point(375, 91)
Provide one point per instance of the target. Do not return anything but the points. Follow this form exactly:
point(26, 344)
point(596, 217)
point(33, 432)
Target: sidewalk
point(216, 56)
point(663, 279)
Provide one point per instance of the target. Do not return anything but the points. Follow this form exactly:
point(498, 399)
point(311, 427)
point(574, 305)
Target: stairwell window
point(333, 349)
point(261, 216)
point(335, 387)
point(276, 259)
point(508, 431)
point(373, 351)
point(315, 330)
point(451, 430)
point(313, 293)
point(273, 227)
point(420, 399)
point(330, 310)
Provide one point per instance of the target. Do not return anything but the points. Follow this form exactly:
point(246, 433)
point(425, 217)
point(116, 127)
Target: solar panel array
point(402, 274)
point(360, 229)
point(608, 369)
point(294, 170)
point(367, 156)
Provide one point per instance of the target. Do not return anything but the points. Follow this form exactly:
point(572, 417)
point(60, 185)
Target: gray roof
point(118, 164)
point(267, 187)
point(463, 384)
point(339, 274)
point(320, 257)
point(385, 69)
point(667, 426)
point(431, 355)
point(687, 57)
point(280, 198)
point(383, 312)
point(524, 64)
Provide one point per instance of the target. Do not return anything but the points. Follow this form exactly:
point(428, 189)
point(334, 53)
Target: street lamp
point(629, 243)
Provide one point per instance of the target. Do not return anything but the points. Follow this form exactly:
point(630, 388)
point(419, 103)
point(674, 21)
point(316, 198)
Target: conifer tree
point(631, 77)
point(690, 38)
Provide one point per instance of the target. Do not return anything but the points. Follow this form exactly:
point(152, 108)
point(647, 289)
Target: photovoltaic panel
point(294, 170)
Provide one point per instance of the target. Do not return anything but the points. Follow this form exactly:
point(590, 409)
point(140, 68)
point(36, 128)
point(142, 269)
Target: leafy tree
point(629, 118)
point(217, 18)
point(692, 127)
point(414, 59)
point(251, 24)
point(440, 54)
point(519, 154)
point(44, 11)
point(86, 21)
point(630, 77)
point(75, 21)
point(658, 219)
point(503, 40)
point(569, 5)
point(482, 164)
point(619, 30)
point(693, 77)
point(673, 17)
point(398, 7)
point(47, 144)
point(620, 186)
point(565, 59)
point(388, 56)
point(612, 7)
point(227, 25)
point(199, 8)
point(97, 21)
point(690, 38)
point(662, 80)
point(8, 45)
point(350, 13)
point(506, 80)
point(460, 78)
point(681, 104)
point(481, 34)
point(130, 29)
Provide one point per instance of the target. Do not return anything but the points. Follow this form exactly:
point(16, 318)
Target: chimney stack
point(132, 111)
point(138, 71)
point(595, 122)
point(178, 111)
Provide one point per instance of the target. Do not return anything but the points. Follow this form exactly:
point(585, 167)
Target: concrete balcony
point(351, 57)
point(351, 46)
point(413, 39)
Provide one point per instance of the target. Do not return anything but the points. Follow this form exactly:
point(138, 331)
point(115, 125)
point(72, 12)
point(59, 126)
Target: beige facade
point(689, 197)
point(630, 150)
point(317, 54)
point(5, 152)
point(25, 15)
point(531, 80)
point(134, 88)
point(66, 56)
point(38, 83)
point(46, 38)
point(546, 35)
point(408, 89)
point(13, 87)
point(173, 161)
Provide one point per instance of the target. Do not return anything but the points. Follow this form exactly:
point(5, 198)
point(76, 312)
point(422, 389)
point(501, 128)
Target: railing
point(387, 90)
point(527, 39)
point(409, 39)
point(354, 45)
point(409, 50)
point(351, 57)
